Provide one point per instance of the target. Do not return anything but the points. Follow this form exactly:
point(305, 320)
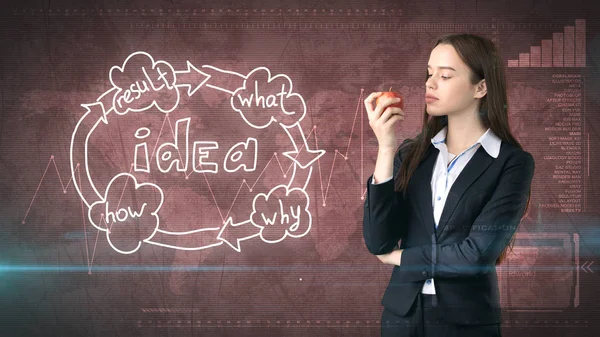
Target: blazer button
point(424, 273)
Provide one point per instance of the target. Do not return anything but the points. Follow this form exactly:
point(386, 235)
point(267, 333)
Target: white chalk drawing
point(142, 84)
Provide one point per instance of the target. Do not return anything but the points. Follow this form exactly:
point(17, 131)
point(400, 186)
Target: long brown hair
point(482, 57)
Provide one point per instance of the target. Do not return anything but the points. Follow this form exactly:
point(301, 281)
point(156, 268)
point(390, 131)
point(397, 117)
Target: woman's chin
point(435, 113)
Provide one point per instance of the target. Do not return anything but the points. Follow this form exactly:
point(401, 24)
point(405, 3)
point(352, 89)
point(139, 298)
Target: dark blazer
point(482, 211)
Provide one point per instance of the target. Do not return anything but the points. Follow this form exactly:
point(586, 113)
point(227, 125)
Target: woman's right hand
point(383, 118)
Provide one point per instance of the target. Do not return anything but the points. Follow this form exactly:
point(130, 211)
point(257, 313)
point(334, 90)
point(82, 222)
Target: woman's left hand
point(393, 258)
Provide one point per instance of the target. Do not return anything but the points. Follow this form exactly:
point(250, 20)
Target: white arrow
point(97, 113)
point(234, 233)
point(184, 78)
point(297, 137)
point(586, 267)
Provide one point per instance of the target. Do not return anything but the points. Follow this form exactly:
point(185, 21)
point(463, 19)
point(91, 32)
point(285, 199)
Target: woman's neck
point(463, 131)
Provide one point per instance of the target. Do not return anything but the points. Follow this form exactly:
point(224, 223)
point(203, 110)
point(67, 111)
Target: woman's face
point(449, 80)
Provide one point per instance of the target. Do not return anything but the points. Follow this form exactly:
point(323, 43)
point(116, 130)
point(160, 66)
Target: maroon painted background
point(61, 273)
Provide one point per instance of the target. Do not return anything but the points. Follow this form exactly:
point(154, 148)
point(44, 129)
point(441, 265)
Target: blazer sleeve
point(489, 235)
point(384, 222)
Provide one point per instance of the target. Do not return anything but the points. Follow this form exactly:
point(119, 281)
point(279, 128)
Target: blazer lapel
point(474, 168)
point(422, 179)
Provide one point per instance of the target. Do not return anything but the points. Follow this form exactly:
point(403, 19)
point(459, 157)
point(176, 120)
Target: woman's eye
point(444, 77)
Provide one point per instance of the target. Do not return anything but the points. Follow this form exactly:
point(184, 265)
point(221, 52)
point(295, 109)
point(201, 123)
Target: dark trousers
point(424, 320)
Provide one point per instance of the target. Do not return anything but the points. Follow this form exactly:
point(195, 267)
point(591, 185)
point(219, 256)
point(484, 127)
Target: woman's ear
point(481, 90)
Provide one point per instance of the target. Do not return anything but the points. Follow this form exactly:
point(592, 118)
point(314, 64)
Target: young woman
point(453, 196)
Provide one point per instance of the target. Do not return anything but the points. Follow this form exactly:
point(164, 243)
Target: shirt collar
point(489, 140)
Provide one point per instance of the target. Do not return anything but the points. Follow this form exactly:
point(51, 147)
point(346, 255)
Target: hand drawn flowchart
point(143, 85)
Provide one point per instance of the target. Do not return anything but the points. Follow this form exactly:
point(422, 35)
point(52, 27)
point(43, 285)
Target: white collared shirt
point(447, 168)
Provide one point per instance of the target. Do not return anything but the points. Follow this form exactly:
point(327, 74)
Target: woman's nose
point(429, 83)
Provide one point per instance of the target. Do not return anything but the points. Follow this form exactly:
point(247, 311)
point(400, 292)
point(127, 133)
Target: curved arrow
point(170, 239)
point(227, 81)
point(95, 112)
point(299, 179)
point(303, 157)
point(232, 234)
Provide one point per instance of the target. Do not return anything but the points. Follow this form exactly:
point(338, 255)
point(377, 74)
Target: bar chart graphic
point(565, 49)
